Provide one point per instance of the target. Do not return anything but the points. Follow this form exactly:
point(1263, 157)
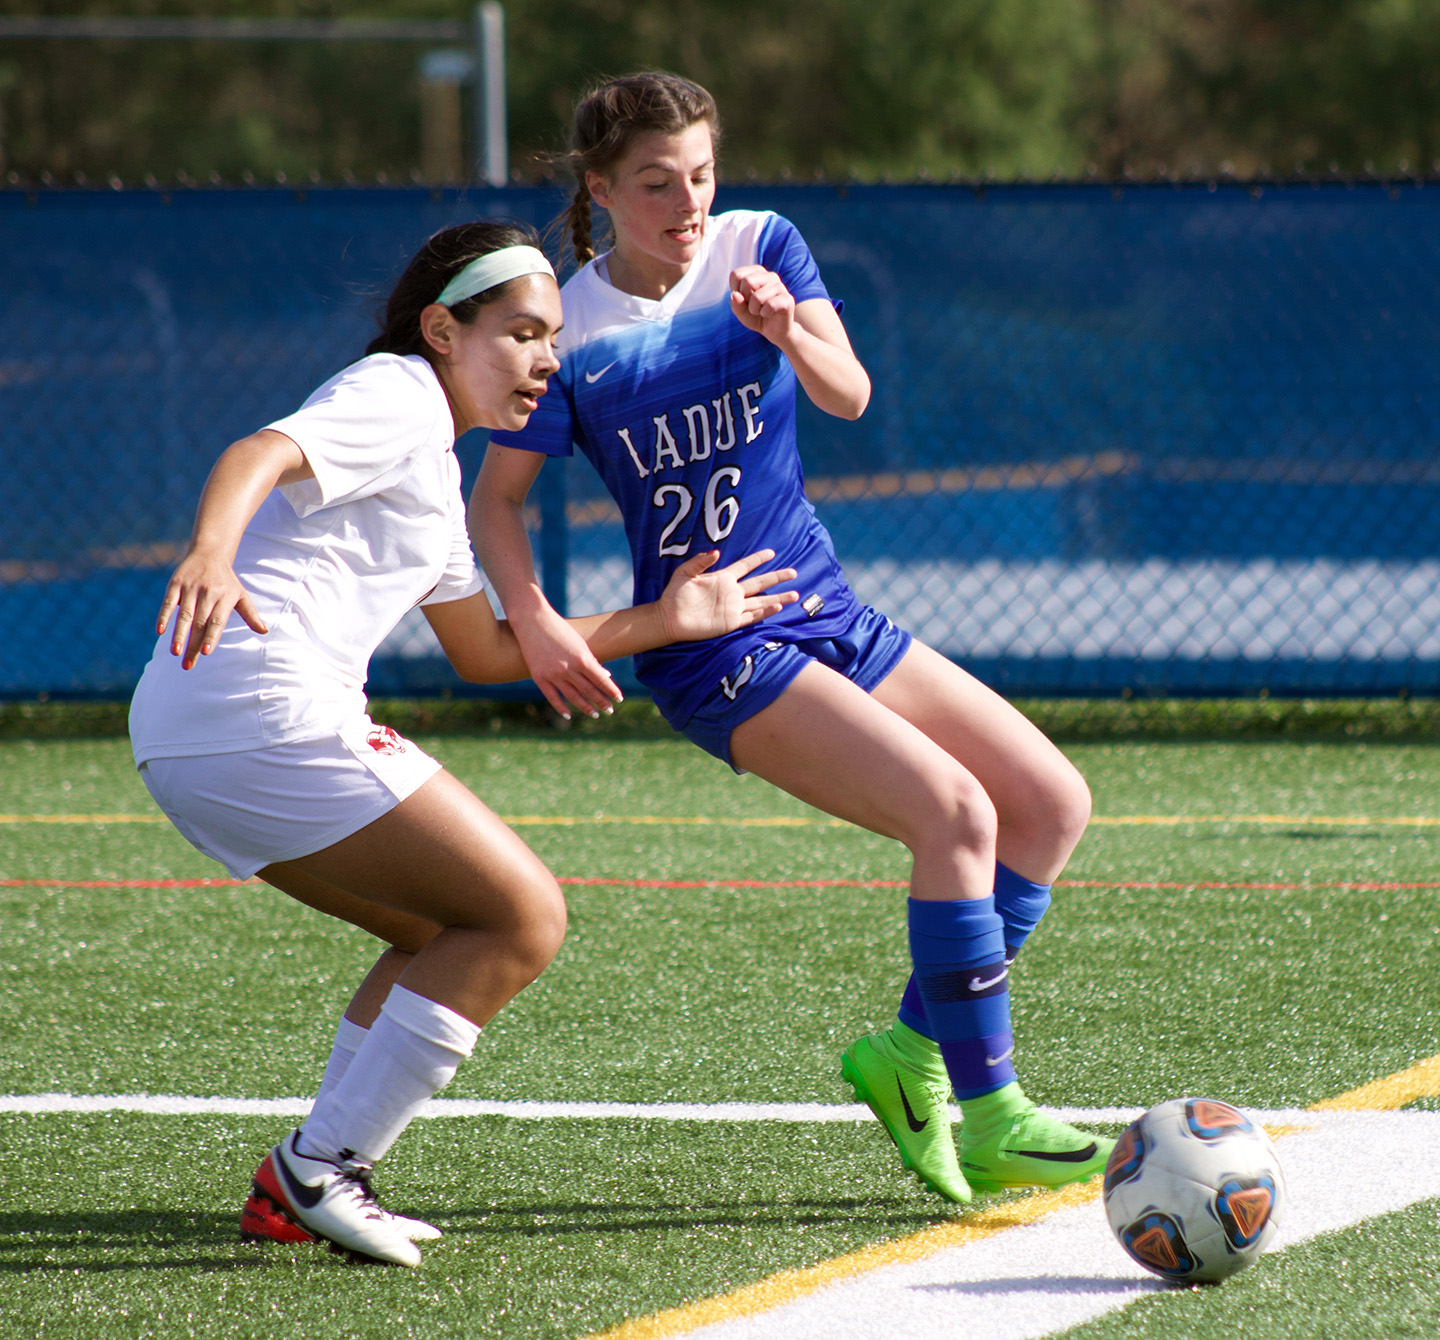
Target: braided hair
point(608, 118)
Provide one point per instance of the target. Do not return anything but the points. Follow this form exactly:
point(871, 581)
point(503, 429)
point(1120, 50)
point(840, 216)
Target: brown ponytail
point(609, 117)
point(436, 263)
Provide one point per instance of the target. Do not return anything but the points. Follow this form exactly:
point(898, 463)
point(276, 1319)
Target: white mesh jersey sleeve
point(462, 576)
point(361, 430)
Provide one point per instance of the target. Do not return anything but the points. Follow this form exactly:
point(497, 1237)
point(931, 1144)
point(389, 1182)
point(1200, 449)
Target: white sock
point(412, 1051)
point(348, 1038)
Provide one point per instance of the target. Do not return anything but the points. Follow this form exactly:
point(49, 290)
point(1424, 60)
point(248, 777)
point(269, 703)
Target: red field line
point(1360, 886)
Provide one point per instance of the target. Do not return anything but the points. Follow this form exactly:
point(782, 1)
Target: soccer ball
point(1193, 1190)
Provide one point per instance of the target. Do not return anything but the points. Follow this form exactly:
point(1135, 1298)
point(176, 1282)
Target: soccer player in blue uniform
point(680, 355)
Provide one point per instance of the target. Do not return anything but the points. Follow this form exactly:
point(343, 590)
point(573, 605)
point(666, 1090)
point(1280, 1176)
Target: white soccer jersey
point(332, 565)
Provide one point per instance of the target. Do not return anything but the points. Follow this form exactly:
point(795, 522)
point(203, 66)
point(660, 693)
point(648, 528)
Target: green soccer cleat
point(913, 1106)
point(1006, 1141)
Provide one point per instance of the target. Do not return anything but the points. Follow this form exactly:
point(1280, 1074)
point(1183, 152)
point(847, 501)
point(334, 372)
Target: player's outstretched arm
point(203, 590)
point(700, 601)
point(558, 658)
point(810, 334)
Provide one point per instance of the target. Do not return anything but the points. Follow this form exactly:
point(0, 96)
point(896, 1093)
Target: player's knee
point(1065, 807)
point(538, 934)
point(959, 814)
point(550, 928)
point(978, 824)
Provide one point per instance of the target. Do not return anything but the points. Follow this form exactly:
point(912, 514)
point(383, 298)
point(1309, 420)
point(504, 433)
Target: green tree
point(840, 87)
point(1353, 82)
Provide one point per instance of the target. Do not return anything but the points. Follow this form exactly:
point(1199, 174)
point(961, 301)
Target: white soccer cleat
point(334, 1201)
point(417, 1230)
point(264, 1218)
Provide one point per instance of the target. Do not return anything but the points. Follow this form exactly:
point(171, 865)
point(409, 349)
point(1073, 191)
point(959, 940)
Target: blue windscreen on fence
point(1160, 439)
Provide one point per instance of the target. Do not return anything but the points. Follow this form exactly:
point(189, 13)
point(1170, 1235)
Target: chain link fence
point(1160, 440)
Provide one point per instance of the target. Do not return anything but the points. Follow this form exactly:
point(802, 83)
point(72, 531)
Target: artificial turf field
point(1253, 921)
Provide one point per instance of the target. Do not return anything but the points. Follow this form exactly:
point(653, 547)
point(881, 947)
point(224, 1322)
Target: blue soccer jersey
point(689, 417)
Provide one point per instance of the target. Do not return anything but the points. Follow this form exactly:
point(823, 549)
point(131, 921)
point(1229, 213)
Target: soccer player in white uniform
point(682, 348)
point(313, 538)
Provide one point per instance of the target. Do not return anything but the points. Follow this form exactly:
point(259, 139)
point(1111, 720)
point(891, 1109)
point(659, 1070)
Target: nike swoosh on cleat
point(1059, 1156)
point(916, 1126)
point(300, 1192)
point(977, 985)
point(1002, 1058)
point(593, 377)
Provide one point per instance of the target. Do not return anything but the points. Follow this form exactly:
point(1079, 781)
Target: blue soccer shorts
point(865, 653)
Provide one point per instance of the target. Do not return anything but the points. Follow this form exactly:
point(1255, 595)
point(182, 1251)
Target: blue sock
point(1020, 904)
point(912, 1010)
point(958, 949)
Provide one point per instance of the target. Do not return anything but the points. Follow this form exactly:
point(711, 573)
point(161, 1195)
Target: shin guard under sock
point(958, 949)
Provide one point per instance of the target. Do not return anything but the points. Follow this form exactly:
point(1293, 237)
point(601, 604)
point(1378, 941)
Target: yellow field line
point(1332, 820)
point(816, 821)
point(516, 820)
point(83, 819)
point(788, 1285)
point(657, 820)
point(1421, 1080)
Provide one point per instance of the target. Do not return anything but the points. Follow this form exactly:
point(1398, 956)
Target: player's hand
point(201, 594)
point(698, 603)
point(761, 302)
point(565, 669)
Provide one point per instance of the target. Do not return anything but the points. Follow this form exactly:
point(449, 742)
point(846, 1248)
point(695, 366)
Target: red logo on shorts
point(384, 740)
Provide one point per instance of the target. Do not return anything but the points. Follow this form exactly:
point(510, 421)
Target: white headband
point(495, 267)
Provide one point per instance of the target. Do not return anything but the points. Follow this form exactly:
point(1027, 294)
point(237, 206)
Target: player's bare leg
point(849, 753)
point(479, 917)
point(831, 744)
point(263, 1217)
point(1042, 804)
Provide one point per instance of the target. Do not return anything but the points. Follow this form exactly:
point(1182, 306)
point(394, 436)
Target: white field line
point(1066, 1269)
point(1022, 1283)
point(167, 1105)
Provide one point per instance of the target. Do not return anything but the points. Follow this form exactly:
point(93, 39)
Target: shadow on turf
point(612, 1217)
point(1336, 835)
point(1051, 1284)
point(106, 1243)
point(103, 1243)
